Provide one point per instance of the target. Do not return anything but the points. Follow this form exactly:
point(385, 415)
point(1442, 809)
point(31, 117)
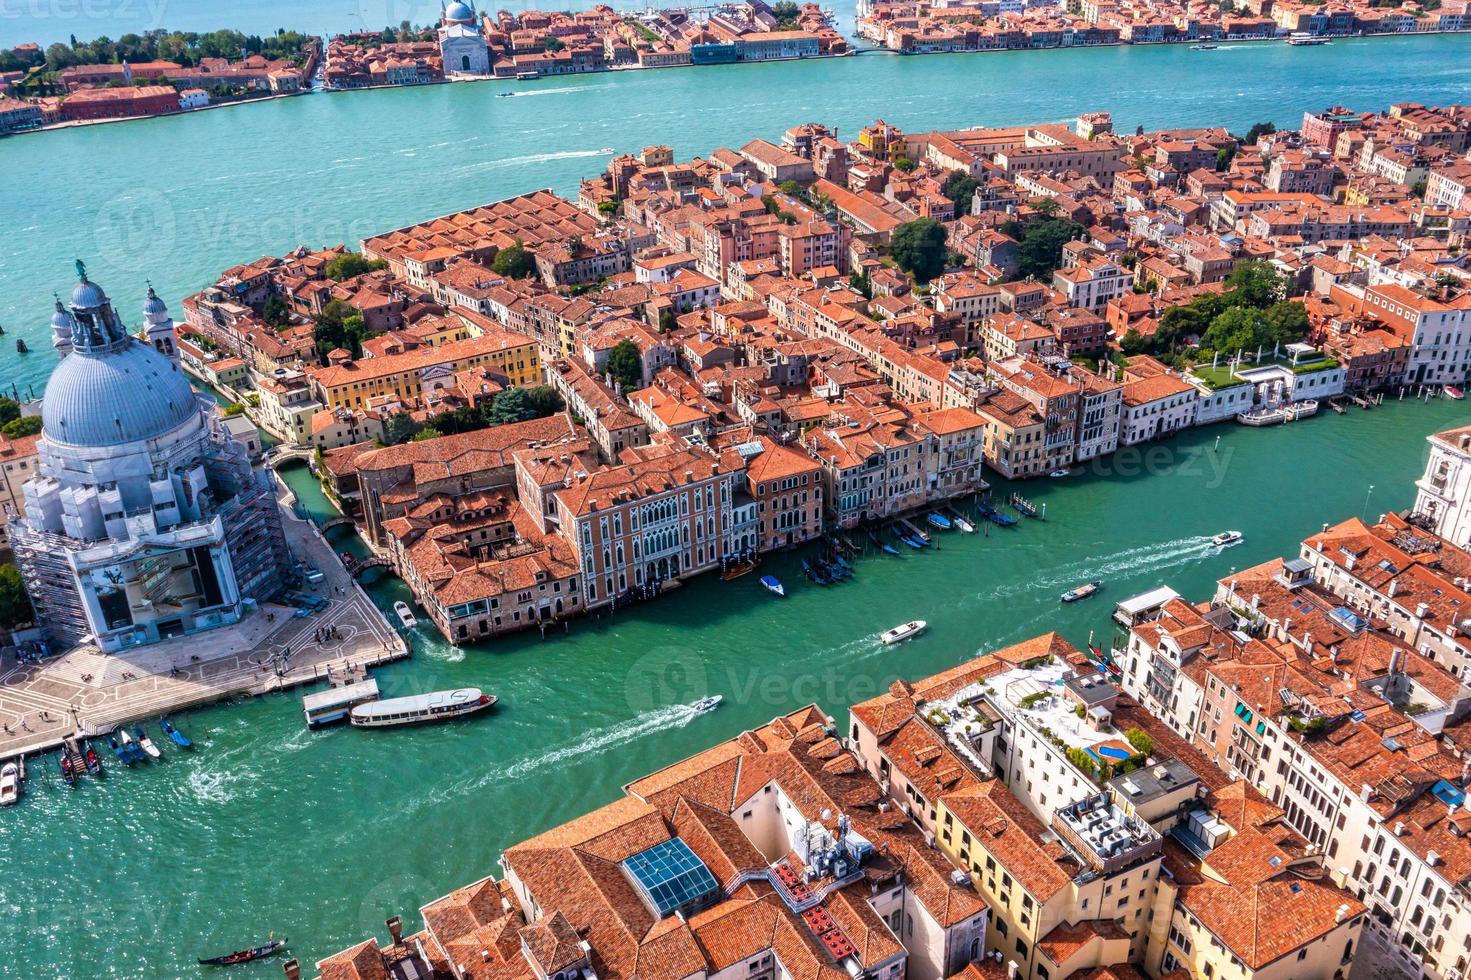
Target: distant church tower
point(158, 327)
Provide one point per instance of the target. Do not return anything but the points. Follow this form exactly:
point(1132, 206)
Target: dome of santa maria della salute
point(110, 388)
point(128, 395)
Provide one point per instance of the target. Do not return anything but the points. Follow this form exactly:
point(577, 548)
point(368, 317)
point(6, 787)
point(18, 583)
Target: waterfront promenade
point(90, 693)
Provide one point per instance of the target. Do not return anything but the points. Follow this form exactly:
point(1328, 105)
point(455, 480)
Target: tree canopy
point(960, 187)
point(512, 405)
point(15, 605)
point(919, 248)
point(351, 264)
point(626, 365)
point(25, 425)
point(1040, 251)
point(182, 47)
point(514, 262)
point(339, 325)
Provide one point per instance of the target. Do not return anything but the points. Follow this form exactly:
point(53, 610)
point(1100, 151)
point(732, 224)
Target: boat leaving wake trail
point(533, 158)
point(555, 91)
point(1149, 557)
point(600, 740)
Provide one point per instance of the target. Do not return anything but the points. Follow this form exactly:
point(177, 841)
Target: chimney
point(1421, 610)
point(1399, 828)
point(1013, 972)
point(1366, 792)
point(1393, 587)
point(1432, 858)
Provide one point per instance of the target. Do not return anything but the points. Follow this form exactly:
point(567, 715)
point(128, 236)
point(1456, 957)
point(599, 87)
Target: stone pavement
point(88, 692)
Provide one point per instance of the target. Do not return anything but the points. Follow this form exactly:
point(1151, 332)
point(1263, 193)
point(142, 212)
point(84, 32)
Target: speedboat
point(1203, 47)
point(1081, 592)
point(708, 703)
point(939, 520)
point(901, 633)
point(245, 955)
point(773, 585)
point(965, 525)
point(1455, 393)
point(9, 784)
point(1059, 474)
point(146, 744)
point(420, 708)
point(405, 614)
point(504, 95)
point(1227, 538)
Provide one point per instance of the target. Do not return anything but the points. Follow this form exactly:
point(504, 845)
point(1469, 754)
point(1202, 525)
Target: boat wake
point(533, 158)
point(601, 740)
point(1149, 557)
point(554, 91)
point(211, 786)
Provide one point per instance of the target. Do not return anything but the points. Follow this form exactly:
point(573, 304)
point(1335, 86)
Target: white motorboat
point(420, 708)
point(1227, 538)
point(1059, 474)
point(405, 614)
point(709, 702)
point(9, 784)
point(965, 525)
point(901, 633)
point(146, 744)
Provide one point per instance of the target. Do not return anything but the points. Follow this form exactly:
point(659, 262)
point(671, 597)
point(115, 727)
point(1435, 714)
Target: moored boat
point(708, 703)
point(245, 955)
point(1059, 474)
point(176, 736)
point(773, 585)
point(962, 522)
point(124, 752)
point(405, 614)
point(907, 631)
point(67, 772)
point(939, 520)
point(145, 743)
point(740, 568)
point(1082, 591)
point(9, 784)
point(1455, 393)
point(421, 708)
point(1227, 538)
point(134, 750)
point(815, 574)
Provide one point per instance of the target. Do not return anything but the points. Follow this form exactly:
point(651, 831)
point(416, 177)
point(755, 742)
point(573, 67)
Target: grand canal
point(320, 836)
point(267, 827)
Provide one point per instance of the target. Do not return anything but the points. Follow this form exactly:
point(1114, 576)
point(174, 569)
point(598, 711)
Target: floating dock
point(336, 703)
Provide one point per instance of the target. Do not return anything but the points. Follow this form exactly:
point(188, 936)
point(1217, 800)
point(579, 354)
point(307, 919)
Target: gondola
point(178, 737)
point(884, 546)
point(244, 955)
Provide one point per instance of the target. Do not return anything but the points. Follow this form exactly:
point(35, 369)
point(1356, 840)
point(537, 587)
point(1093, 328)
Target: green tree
point(790, 188)
point(276, 312)
point(1047, 207)
point(339, 325)
point(554, 44)
point(607, 208)
point(626, 365)
point(1257, 131)
point(859, 281)
point(350, 264)
point(400, 427)
point(904, 164)
point(522, 404)
point(514, 262)
point(26, 425)
point(960, 187)
point(1254, 283)
point(1040, 251)
point(1238, 329)
point(428, 432)
point(9, 409)
point(1224, 156)
point(1133, 342)
point(919, 248)
point(15, 605)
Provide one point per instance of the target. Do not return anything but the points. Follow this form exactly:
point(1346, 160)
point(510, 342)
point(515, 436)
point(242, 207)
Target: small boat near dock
point(737, 569)
point(882, 545)
point(1023, 506)
point(1227, 538)
point(815, 574)
point(1082, 591)
point(1454, 393)
point(995, 516)
point(129, 745)
point(773, 585)
point(421, 708)
point(914, 530)
point(10, 784)
point(405, 614)
point(175, 736)
point(961, 521)
point(145, 743)
point(260, 952)
point(907, 631)
point(1059, 474)
point(913, 542)
point(939, 520)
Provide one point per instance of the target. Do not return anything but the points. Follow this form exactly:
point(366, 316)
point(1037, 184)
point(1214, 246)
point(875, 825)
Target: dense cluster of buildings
point(153, 88)
point(536, 43)
point(1269, 783)
point(998, 25)
point(778, 376)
